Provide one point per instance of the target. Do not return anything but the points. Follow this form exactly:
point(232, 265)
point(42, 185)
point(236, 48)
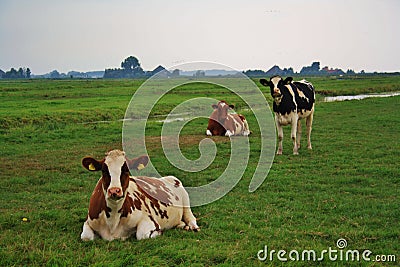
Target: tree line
point(131, 68)
point(21, 73)
point(312, 70)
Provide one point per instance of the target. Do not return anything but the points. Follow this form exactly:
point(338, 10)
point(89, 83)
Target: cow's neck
point(115, 215)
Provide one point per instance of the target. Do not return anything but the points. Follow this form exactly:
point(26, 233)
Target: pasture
point(346, 187)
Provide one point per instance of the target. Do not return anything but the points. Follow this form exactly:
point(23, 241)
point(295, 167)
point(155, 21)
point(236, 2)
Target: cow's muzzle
point(115, 193)
point(276, 93)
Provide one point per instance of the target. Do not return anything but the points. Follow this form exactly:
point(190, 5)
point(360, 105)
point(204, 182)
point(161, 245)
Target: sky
point(86, 35)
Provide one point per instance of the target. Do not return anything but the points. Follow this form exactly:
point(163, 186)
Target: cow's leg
point(280, 136)
point(298, 135)
point(87, 233)
point(309, 122)
point(147, 229)
point(246, 131)
point(208, 132)
point(189, 220)
point(293, 135)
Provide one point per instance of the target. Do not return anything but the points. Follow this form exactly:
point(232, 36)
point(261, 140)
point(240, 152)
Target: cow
point(122, 205)
point(223, 123)
point(293, 101)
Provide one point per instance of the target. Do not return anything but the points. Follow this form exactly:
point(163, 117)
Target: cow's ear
point(264, 82)
point(288, 80)
point(91, 164)
point(214, 106)
point(138, 163)
point(232, 106)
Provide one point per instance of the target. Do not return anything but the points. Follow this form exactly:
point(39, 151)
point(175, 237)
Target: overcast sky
point(85, 35)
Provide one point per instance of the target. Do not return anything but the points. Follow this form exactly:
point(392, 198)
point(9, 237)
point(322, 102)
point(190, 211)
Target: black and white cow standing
point(293, 101)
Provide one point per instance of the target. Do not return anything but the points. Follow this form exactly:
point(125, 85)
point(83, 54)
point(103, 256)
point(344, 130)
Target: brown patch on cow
point(155, 223)
point(127, 206)
point(177, 183)
point(137, 203)
point(161, 196)
point(215, 127)
point(98, 203)
point(162, 192)
point(125, 178)
point(242, 118)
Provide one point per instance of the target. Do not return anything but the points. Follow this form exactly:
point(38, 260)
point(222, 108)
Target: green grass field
point(346, 187)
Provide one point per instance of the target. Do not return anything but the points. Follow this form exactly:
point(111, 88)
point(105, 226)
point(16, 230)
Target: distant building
point(161, 72)
point(330, 71)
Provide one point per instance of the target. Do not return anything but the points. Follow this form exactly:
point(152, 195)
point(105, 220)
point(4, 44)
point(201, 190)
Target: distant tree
point(28, 73)
point(199, 73)
point(254, 73)
point(11, 74)
point(288, 72)
point(54, 74)
point(314, 69)
point(175, 73)
point(315, 66)
point(130, 63)
point(20, 73)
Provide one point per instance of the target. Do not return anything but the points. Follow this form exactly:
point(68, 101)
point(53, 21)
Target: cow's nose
point(115, 192)
point(276, 91)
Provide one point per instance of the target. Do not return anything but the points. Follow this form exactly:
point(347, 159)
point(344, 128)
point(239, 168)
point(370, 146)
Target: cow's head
point(115, 169)
point(276, 83)
point(222, 110)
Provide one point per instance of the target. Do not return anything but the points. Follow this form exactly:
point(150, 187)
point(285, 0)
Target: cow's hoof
point(155, 233)
point(228, 133)
point(87, 237)
point(194, 229)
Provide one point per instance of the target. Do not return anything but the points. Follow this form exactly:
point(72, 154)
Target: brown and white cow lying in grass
point(122, 205)
point(223, 123)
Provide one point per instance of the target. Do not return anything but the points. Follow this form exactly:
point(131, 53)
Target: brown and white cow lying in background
point(122, 205)
point(293, 101)
point(223, 123)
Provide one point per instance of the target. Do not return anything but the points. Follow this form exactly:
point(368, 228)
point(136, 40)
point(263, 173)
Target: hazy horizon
point(94, 35)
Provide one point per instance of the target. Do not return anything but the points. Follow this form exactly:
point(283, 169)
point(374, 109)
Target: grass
point(346, 187)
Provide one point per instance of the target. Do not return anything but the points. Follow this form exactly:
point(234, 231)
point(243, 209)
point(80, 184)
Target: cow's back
point(162, 198)
point(304, 94)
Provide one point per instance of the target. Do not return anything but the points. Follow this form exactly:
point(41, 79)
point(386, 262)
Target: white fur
point(228, 133)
